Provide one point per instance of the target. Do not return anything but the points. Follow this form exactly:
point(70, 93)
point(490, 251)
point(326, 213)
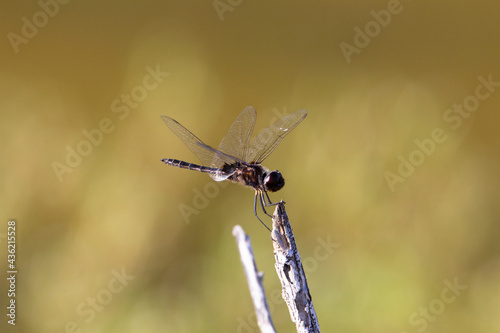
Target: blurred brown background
point(102, 245)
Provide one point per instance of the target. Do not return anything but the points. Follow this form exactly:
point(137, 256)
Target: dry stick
point(291, 273)
point(254, 279)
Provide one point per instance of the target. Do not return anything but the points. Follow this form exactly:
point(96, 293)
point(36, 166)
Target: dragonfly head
point(274, 181)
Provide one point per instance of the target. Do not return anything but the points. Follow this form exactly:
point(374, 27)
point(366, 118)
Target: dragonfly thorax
point(255, 176)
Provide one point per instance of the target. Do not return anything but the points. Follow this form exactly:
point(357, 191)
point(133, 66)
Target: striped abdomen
point(190, 166)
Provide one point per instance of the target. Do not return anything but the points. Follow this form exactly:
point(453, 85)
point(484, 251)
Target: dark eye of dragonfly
point(274, 181)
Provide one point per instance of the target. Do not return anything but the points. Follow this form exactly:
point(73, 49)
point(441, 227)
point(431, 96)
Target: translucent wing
point(236, 141)
point(270, 137)
point(204, 152)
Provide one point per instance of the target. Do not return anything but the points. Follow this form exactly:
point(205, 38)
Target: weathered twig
point(254, 279)
point(291, 273)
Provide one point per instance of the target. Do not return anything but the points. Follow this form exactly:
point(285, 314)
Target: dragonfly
point(238, 158)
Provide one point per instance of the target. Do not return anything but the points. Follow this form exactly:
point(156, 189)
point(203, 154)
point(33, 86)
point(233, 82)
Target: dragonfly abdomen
point(190, 166)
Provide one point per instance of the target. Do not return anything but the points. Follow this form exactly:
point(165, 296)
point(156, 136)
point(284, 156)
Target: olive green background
point(377, 253)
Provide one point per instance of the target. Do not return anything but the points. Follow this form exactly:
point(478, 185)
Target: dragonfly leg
point(257, 194)
point(269, 201)
point(263, 203)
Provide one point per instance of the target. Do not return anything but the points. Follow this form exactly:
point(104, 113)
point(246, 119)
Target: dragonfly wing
point(236, 141)
point(204, 152)
point(270, 137)
point(191, 141)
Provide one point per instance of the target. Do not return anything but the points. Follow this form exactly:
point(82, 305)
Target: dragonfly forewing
point(269, 138)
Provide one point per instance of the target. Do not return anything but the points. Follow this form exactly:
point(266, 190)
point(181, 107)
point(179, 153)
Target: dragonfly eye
point(274, 181)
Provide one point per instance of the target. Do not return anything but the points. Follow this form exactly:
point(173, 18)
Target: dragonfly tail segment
point(190, 166)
